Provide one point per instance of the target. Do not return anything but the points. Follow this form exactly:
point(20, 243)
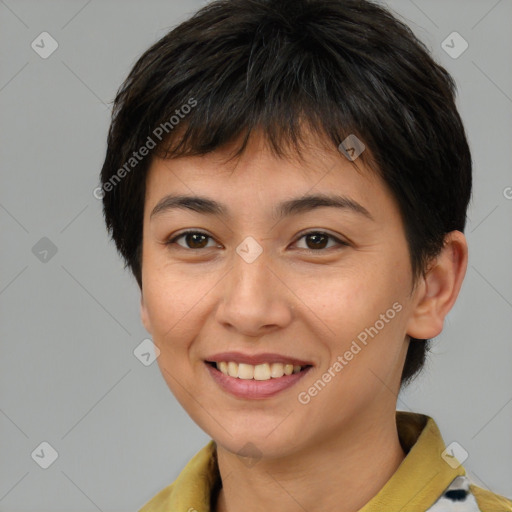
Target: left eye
point(316, 240)
point(319, 239)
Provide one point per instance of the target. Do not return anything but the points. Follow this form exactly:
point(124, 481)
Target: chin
point(256, 446)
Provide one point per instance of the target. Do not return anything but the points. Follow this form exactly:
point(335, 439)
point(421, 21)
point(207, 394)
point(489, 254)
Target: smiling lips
point(263, 371)
point(255, 376)
point(258, 366)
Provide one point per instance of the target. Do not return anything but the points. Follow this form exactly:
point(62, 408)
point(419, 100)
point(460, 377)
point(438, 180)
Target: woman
point(288, 182)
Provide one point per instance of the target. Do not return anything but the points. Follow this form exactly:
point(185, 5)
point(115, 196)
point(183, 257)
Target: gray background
point(70, 323)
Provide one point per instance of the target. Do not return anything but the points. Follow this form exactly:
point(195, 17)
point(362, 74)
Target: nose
point(254, 299)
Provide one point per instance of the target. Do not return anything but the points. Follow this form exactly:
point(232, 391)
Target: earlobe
point(439, 288)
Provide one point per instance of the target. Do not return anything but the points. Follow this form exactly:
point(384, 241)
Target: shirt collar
point(423, 475)
point(417, 483)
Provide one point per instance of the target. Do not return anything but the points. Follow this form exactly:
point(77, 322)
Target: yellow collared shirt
point(429, 479)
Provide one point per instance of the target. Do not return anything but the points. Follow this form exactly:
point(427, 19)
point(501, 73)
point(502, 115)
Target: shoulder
point(489, 501)
point(160, 502)
point(193, 487)
point(462, 495)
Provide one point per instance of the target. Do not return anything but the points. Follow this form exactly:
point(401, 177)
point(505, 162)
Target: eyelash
point(172, 241)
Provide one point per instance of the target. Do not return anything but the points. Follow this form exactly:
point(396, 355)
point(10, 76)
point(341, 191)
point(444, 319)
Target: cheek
point(173, 304)
point(366, 305)
point(172, 294)
point(347, 300)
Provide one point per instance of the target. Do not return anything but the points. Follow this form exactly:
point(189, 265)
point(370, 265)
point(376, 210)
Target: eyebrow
point(287, 208)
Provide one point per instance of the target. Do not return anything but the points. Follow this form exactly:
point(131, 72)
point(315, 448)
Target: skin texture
point(337, 451)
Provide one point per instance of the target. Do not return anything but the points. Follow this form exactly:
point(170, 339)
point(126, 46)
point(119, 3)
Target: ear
point(436, 292)
point(144, 316)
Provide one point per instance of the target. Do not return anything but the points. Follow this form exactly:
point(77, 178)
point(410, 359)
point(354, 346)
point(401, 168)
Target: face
point(323, 286)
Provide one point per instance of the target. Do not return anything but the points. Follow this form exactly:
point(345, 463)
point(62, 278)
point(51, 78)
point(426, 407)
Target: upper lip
point(267, 357)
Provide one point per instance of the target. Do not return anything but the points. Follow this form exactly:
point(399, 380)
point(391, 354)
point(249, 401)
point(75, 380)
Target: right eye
point(194, 240)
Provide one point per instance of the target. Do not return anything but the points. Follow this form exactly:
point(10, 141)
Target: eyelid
point(302, 234)
point(336, 238)
point(174, 237)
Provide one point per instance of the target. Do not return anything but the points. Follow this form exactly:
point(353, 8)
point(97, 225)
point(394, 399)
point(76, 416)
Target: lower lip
point(255, 389)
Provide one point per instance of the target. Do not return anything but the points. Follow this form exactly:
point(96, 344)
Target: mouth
point(258, 372)
point(255, 382)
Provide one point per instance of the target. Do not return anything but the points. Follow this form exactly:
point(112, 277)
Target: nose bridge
point(251, 275)
point(251, 299)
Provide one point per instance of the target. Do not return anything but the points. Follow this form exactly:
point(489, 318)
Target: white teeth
point(245, 371)
point(276, 370)
point(232, 369)
point(265, 371)
point(262, 371)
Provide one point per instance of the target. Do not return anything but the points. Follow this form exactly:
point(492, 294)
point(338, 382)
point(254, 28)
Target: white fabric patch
point(456, 498)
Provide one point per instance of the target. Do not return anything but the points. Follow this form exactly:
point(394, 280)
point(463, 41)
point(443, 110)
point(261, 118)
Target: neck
point(339, 473)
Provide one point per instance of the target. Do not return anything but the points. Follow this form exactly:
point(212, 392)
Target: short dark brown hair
point(339, 67)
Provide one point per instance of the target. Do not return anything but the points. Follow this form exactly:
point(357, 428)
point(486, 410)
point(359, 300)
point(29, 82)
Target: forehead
point(259, 178)
point(307, 155)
